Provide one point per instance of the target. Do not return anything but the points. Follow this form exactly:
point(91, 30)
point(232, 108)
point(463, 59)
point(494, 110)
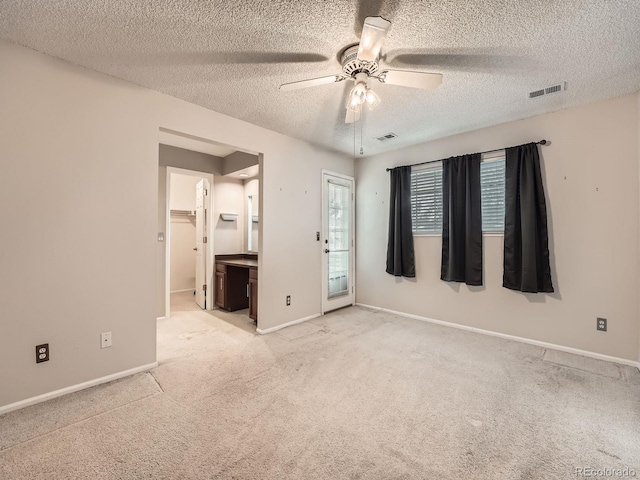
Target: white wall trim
point(284, 325)
point(184, 290)
point(553, 346)
point(160, 318)
point(74, 388)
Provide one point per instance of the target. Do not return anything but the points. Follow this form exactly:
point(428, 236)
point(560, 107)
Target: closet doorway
point(189, 236)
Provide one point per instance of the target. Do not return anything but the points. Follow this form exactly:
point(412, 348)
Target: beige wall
point(228, 197)
point(79, 207)
point(591, 178)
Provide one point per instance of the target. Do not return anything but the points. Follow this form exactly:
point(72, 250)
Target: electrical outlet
point(42, 353)
point(105, 340)
point(288, 300)
point(601, 324)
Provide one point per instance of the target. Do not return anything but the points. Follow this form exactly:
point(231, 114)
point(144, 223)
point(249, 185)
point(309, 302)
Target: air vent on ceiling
point(561, 87)
point(386, 137)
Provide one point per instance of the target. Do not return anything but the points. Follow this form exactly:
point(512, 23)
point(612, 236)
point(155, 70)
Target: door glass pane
point(338, 257)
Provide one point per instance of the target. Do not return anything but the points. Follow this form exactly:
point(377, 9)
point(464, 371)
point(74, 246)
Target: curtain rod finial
point(542, 142)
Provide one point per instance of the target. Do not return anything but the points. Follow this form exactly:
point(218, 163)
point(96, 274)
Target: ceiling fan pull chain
point(361, 122)
point(354, 138)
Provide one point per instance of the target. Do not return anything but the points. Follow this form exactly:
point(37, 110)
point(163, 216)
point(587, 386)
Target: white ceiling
point(232, 56)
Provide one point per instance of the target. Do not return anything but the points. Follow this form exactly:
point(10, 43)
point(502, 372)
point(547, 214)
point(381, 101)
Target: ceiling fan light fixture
point(360, 91)
point(357, 96)
point(372, 99)
point(354, 103)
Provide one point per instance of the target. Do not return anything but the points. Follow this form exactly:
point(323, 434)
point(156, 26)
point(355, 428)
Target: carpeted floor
point(355, 394)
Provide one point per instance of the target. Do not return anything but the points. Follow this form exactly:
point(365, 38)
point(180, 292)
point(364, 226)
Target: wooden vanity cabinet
point(221, 277)
point(253, 294)
point(237, 284)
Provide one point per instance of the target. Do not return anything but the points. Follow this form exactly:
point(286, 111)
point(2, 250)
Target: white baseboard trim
point(185, 290)
point(74, 388)
point(161, 318)
point(284, 325)
point(553, 346)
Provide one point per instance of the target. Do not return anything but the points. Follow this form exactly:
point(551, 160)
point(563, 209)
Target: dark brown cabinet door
point(253, 298)
point(220, 297)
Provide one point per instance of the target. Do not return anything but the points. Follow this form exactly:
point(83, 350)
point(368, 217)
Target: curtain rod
point(541, 142)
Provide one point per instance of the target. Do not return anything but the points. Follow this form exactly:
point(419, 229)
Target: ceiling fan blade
point(426, 81)
point(367, 8)
point(373, 32)
point(310, 83)
point(473, 60)
point(352, 116)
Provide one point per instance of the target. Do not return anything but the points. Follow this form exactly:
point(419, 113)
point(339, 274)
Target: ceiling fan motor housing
point(351, 66)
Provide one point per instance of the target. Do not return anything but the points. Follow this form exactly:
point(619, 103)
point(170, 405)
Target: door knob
point(326, 250)
point(196, 249)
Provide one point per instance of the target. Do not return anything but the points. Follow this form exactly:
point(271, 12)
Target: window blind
point(492, 174)
point(426, 197)
point(426, 200)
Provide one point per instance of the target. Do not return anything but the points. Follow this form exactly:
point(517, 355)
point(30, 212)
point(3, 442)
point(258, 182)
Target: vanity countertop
point(238, 262)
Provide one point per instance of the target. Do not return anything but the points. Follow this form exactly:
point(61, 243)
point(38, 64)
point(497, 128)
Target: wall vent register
point(386, 137)
point(560, 87)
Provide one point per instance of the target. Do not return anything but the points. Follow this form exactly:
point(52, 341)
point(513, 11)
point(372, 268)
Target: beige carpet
point(352, 395)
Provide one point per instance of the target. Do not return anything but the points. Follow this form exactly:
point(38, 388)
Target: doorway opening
point(209, 229)
point(189, 236)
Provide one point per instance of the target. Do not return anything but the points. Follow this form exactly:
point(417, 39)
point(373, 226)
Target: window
point(426, 197)
point(492, 187)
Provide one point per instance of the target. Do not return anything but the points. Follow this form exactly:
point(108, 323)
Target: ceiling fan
point(360, 63)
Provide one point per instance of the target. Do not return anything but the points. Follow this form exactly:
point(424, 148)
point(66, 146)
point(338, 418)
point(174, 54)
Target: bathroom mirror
point(252, 223)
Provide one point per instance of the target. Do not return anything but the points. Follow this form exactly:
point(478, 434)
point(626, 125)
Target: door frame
point(324, 226)
point(167, 235)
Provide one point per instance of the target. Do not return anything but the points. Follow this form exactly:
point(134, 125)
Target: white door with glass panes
point(337, 241)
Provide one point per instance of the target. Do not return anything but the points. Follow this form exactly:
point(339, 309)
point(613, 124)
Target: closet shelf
point(183, 213)
point(228, 217)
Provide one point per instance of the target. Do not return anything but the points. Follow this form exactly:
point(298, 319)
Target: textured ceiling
point(231, 56)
